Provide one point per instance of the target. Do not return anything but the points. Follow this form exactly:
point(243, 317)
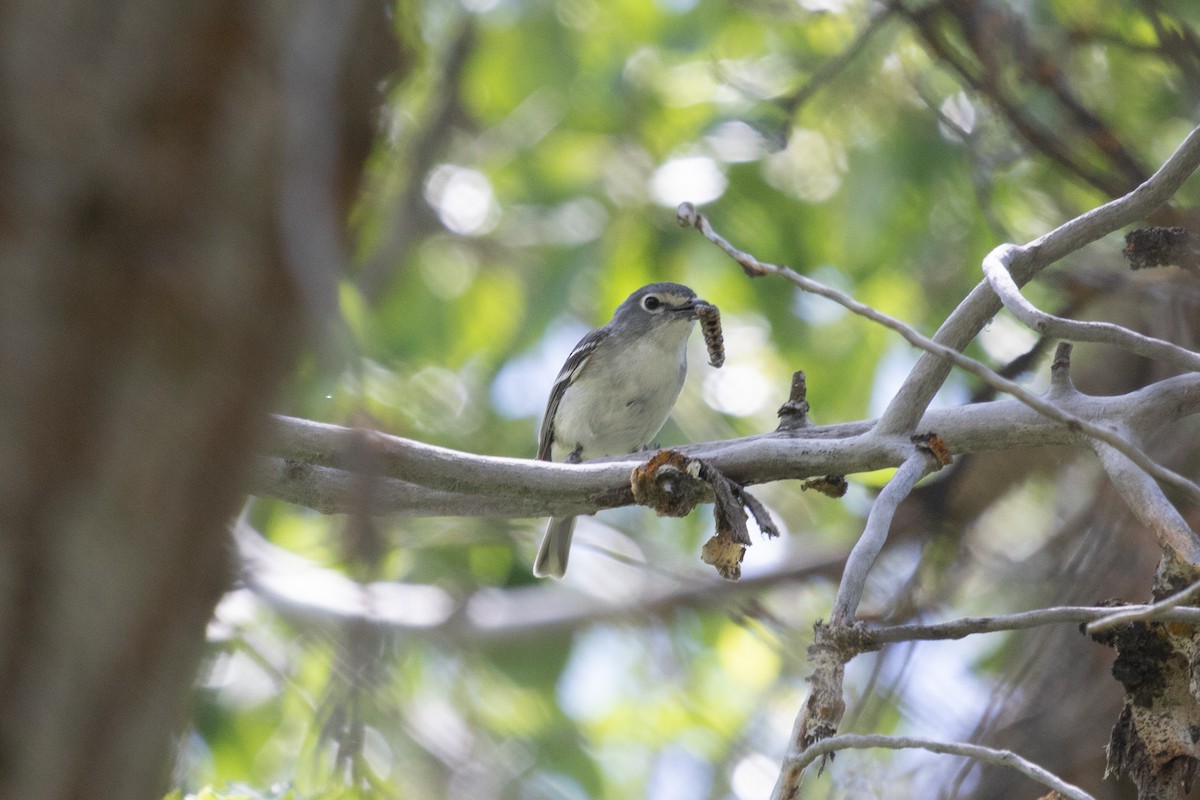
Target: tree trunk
point(150, 303)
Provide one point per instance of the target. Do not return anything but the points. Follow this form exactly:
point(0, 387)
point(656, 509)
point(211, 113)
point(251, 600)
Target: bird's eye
point(651, 303)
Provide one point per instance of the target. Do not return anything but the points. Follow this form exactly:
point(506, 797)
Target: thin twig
point(831, 67)
point(1024, 620)
point(988, 755)
point(1164, 610)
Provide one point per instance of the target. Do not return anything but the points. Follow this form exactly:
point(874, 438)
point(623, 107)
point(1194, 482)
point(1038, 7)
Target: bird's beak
point(692, 308)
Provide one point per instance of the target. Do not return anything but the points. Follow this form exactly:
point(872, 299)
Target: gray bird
point(615, 392)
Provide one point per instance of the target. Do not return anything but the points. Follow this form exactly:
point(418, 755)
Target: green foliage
point(542, 196)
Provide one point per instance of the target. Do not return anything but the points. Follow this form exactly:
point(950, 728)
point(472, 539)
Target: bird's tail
point(556, 547)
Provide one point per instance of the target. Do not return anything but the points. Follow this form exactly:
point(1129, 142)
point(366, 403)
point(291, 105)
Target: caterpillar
point(710, 324)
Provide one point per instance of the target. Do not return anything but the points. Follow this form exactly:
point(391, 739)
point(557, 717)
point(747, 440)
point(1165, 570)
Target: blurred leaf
point(888, 175)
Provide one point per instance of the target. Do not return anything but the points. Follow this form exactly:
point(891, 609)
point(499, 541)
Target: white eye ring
point(652, 303)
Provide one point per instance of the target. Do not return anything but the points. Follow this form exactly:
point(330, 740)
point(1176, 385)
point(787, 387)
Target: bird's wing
point(575, 362)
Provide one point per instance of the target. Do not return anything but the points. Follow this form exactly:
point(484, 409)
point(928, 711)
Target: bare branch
point(372, 452)
point(287, 583)
point(688, 216)
point(304, 591)
point(1146, 500)
point(323, 466)
point(1164, 610)
point(874, 535)
point(822, 713)
point(829, 70)
point(330, 490)
point(970, 626)
point(995, 270)
point(971, 315)
point(988, 755)
point(1061, 384)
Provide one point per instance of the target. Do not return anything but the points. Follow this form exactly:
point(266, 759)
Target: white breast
point(623, 396)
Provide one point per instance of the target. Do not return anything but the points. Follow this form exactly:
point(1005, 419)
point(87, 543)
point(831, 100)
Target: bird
point(615, 392)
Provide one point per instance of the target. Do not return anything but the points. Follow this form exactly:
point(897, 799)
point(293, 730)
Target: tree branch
point(306, 592)
point(1146, 500)
point(970, 626)
point(988, 755)
point(874, 535)
point(1164, 610)
point(837, 642)
point(995, 270)
point(969, 318)
point(688, 216)
point(323, 466)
